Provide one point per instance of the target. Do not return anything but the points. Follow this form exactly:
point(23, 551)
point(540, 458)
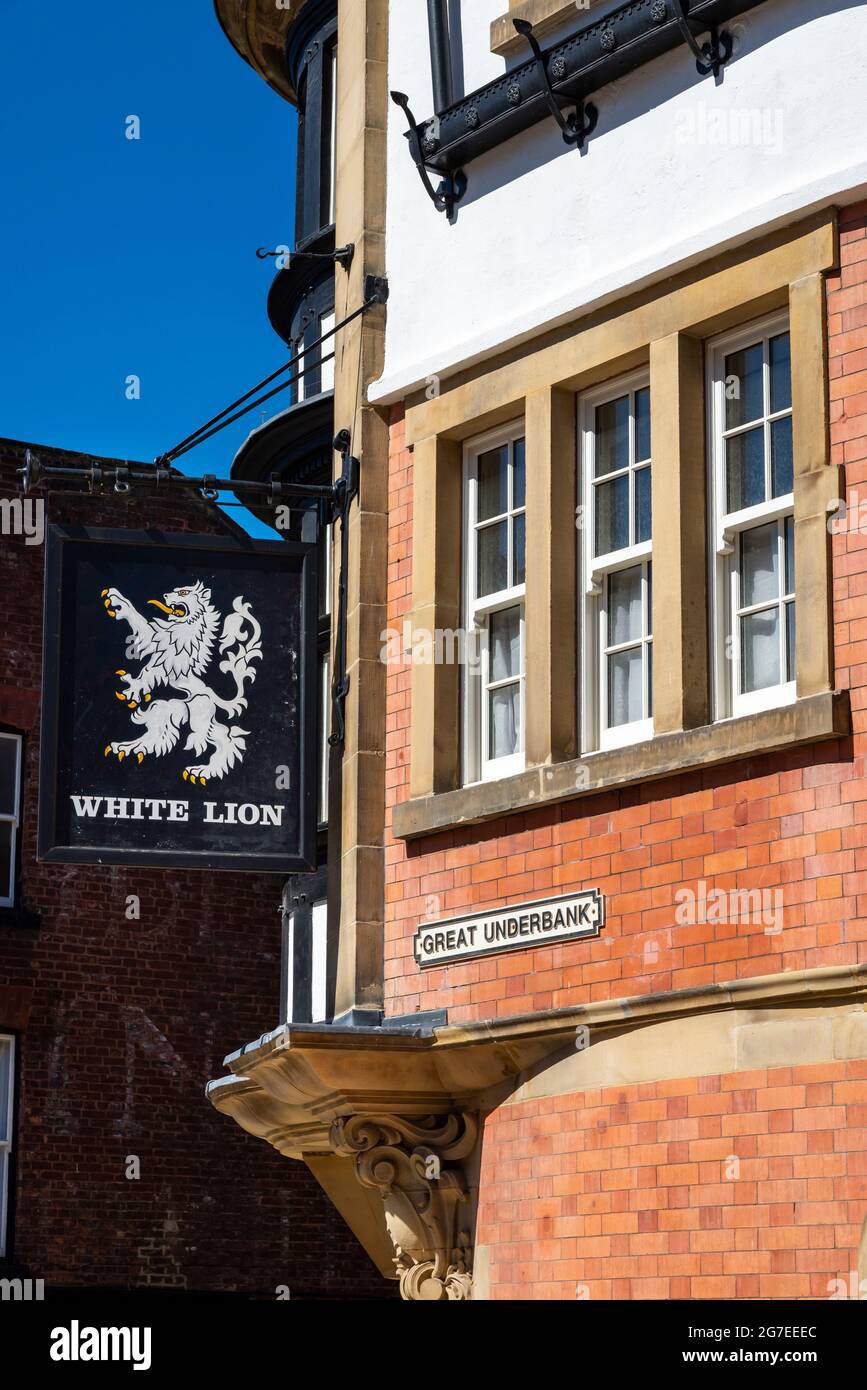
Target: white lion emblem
point(177, 651)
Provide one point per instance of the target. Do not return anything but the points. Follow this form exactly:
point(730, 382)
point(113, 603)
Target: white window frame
point(332, 134)
point(324, 735)
point(326, 370)
point(14, 817)
point(595, 572)
point(6, 1143)
point(726, 528)
point(478, 767)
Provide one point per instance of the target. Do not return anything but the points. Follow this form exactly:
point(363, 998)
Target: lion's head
point(186, 603)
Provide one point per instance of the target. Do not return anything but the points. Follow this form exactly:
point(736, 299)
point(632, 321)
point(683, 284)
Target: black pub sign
point(179, 701)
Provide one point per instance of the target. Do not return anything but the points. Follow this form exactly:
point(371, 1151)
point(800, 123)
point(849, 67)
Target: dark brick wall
point(127, 1022)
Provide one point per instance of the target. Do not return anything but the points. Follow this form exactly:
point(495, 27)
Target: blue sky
point(135, 257)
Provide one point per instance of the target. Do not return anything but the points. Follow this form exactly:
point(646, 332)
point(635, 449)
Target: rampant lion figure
point(177, 650)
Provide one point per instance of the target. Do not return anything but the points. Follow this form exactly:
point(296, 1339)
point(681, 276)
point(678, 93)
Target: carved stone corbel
point(427, 1204)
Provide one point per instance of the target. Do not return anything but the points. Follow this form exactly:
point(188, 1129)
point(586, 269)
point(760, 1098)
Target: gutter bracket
point(710, 57)
point(578, 124)
point(453, 187)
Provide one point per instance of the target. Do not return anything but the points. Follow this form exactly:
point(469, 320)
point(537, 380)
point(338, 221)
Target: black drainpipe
point(440, 54)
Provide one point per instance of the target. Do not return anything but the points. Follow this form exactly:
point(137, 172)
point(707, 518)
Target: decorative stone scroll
point(427, 1204)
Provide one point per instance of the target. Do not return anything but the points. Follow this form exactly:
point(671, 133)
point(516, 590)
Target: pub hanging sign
point(178, 718)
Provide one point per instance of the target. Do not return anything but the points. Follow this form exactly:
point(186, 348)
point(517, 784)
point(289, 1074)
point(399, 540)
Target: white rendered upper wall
point(677, 167)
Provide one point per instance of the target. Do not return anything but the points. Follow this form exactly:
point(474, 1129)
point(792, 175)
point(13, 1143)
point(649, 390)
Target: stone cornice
point(293, 1083)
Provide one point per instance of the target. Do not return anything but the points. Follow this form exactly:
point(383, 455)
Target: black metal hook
point(579, 123)
point(343, 254)
point(453, 186)
point(709, 57)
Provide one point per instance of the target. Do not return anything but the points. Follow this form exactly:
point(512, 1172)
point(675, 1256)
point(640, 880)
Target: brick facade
point(121, 1024)
point(625, 1192)
point(792, 822)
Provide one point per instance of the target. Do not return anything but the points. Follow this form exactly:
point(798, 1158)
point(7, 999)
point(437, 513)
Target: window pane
point(781, 373)
point(624, 606)
point(504, 721)
point(745, 469)
point(8, 764)
point(519, 473)
point(760, 649)
point(642, 505)
point(624, 687)
point(781, 456)
point(649, 679)
point(518, 549)
point(789, 533)
point(743, 386)
point(760, 579)
point(505, 644)
point(612, 515)
point(5, 1084)
point(493, 483)
point(790, 642)
point(642, 424)
point(6, 865)
point(612, 435)
point(492, 559)
point(649, 599)
point(324, 731)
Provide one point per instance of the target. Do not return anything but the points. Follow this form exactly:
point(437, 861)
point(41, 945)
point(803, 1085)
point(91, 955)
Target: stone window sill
point(808, 720)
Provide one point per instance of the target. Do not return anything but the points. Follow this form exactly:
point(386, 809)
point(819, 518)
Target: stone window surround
point(666, 328)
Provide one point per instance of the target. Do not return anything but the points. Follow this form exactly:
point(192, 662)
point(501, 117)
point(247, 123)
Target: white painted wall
point(545, 232)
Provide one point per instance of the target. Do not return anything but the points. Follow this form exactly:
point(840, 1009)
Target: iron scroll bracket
point(451, 190)
point(581, 122)
point(712, 56)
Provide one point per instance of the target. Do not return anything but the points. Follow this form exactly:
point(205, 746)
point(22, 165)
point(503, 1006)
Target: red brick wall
point(130, 1019)
point(791, 821)
point(626, 1192)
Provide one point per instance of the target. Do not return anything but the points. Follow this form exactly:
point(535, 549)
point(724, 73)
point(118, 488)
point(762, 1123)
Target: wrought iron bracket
point(581, 122)
point(451, 190)
point(712, 56)
point(344, 491)
point(342, 255)
point(122, 479)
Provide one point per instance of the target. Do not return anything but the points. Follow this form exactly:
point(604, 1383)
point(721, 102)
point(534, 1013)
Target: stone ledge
point(544, 15)
point(809, 720)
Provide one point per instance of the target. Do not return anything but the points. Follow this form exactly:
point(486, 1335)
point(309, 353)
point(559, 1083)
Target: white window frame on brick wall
point(476, 676)
point(728, 528)
point(7, 1088)
point(12, 816)
point(596, 571)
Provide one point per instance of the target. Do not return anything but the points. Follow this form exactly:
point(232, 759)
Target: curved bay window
point(296, 447)
point(311, 60)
